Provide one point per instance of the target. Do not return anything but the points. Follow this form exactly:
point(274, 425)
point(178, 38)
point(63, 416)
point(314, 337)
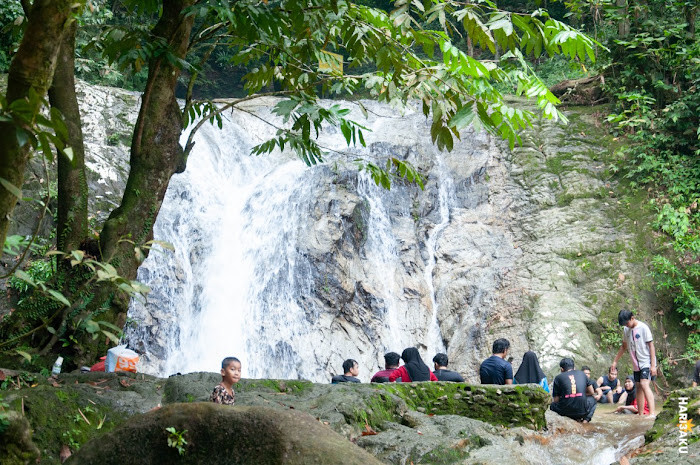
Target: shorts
point(644, 373)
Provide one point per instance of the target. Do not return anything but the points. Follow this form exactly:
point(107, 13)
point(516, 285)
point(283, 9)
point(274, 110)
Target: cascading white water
point(239, 284)
point(445, 187)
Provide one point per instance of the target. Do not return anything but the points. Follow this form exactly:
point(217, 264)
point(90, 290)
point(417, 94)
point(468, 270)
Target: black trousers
point(591, 404)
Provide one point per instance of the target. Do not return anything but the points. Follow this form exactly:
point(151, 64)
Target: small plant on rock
point(176, 439)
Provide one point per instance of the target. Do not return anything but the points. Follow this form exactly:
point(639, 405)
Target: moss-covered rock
point(79, 407)
point(16, 446)
point(666, 442)
point(218, 434)
point(518, 405)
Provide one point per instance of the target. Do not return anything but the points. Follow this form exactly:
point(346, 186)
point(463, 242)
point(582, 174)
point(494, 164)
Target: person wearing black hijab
point(530, 371)
point(414, 369)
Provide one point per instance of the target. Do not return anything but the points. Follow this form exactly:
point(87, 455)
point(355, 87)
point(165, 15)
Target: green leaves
point(395, 169)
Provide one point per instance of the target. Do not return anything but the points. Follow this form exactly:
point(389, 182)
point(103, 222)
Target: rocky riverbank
point(399, 423)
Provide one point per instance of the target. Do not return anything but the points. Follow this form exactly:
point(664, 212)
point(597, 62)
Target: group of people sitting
point(574, 393)
point(413, 369)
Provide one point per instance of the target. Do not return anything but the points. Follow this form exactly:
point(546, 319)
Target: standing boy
point(230, 375)
point(638, 339)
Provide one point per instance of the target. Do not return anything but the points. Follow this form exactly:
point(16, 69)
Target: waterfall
point(445, 187)
point(240, 283)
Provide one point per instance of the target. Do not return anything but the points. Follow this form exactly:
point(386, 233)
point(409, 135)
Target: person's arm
point(695, 384)
point(603, 387)
point(509, 374)
point(623, 347)
point(589, 390)
point(598, 394)
point(618, 389)
point(652, 353)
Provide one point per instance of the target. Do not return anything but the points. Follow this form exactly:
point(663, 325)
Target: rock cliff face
point(531, 244)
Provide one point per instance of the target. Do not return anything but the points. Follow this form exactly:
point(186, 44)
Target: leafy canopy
point(292, 50)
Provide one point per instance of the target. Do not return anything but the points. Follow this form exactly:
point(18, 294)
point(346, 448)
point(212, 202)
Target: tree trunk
point(72, 224)
point(31, 72)
point(623, 27)
point(156, 153)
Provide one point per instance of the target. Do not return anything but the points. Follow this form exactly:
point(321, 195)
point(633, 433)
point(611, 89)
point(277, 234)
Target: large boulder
point(218, 434)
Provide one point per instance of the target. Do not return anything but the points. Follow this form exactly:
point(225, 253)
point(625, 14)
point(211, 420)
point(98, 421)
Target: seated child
point(230, 374)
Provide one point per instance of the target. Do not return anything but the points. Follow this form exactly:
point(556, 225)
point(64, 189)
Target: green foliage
point(655, 81)
point(36, 271)
point(11, 25)
point(4, 409)
point(176, 440)
point(413, 53)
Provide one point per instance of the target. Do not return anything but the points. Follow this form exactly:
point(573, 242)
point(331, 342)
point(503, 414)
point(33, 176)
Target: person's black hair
point(624, 316)
point(567, 364)
point(500, 345)
point(227, 361)
point(441, 360)
point(585, 367)
point(348, 364)
point(391, 359)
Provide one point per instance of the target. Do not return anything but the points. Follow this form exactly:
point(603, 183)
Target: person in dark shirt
point(441, 371)
point(351, 369)
point(611, 386)
point(391, 363)
point(495, 370)
point(696, 375)
point(597, 391)
point(571, 393)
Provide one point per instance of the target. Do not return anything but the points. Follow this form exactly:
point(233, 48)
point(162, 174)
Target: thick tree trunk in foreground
point(72, 224)
point(156, 153)
point(31, 70)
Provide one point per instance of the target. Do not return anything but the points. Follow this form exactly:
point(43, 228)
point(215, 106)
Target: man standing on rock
point(638, 339)
point(495, 370)
point(572, 393)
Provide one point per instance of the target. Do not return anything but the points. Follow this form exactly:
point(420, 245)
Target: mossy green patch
point(502, 405)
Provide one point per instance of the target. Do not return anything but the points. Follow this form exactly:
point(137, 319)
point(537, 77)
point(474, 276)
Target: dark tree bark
point(156, 153)
point(31, 69)
point(72, 226)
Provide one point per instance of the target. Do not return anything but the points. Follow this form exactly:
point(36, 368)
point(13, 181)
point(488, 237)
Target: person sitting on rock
point(495, 370)
point(629, 397)
point(571, 393)
point(530, 371)
point(351, 369)
point(230, 374)
point(442, 373)
point(597, 391)
point(414, 369)
point(611, 386)
point(391, 363)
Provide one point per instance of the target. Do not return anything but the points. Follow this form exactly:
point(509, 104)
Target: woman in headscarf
point(530, 372)
point(630, 399)
point(414, 369)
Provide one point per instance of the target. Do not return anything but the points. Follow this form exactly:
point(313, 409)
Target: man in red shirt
point(391, 363)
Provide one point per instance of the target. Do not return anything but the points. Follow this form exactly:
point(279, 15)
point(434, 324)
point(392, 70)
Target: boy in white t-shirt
point(638, 339)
